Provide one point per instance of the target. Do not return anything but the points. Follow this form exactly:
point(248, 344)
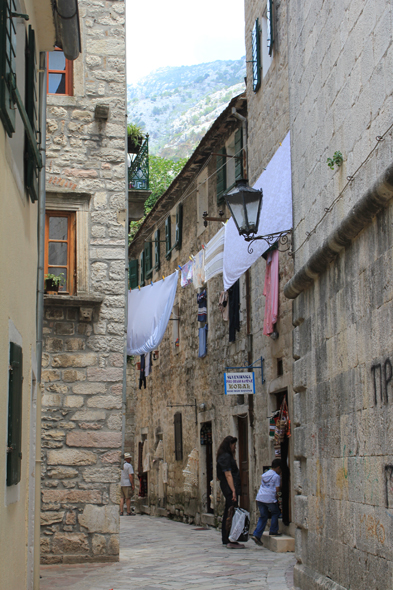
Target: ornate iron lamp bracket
point(284, 243)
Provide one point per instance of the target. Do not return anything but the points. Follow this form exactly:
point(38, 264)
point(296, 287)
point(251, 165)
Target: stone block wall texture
point(340, 89)
point(84, 358)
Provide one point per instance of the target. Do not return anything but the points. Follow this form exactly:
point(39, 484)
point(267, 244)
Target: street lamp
point(245, 205)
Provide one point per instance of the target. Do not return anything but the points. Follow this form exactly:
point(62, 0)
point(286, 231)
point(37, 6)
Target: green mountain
point(177, 105)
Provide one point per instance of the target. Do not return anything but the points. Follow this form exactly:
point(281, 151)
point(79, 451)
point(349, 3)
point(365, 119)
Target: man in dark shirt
point(229, 476)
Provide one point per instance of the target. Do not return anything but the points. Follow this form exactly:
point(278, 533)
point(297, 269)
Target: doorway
point(244, 463)
point(286, 475)
point(206, 443)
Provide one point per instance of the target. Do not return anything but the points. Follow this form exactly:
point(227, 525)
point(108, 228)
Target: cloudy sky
point(181, 32)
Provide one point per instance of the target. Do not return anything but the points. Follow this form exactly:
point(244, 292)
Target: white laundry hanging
point(214, 255)
point(276, 215)
point(149, 310)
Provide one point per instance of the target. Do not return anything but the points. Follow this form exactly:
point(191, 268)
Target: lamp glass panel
point(236, 205)
point(252, 205)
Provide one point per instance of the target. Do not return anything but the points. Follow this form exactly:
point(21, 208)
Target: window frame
point(71, 241)
point(68, 72)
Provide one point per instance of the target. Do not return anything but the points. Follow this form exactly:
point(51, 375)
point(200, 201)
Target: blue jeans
point(264, 511)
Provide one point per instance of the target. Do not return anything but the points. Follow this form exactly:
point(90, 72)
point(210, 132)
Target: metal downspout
point(124, 392)
point(40, 317)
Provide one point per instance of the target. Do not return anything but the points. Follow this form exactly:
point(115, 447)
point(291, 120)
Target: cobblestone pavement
point(158, 554)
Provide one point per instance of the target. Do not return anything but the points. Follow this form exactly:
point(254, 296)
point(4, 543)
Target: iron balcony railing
point(138, 172)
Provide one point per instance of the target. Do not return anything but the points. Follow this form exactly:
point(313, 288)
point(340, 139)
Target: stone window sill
point(74, 300)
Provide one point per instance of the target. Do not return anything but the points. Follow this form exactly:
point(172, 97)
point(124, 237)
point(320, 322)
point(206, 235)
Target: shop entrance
point(286, 476)
point(244, 463)
point(207, 467)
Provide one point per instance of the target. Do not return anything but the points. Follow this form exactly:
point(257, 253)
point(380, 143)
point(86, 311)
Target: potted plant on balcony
point(134, 138)
point(53, 282)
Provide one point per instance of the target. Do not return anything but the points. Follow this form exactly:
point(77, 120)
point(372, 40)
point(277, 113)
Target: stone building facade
point(177, 483)
point(84, 343)
point(340, 89)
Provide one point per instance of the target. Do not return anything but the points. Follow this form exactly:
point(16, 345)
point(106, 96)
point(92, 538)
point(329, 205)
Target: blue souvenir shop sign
point(239, 383)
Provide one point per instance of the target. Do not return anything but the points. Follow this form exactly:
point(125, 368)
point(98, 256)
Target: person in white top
point(267, 502)
point(126, 484)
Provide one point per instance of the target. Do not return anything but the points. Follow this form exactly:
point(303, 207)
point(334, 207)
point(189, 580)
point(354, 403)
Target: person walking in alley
point(229, 476)
point(127, 484)
point(267, 500)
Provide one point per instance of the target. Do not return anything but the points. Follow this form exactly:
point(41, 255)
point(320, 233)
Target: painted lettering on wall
point(373, 527)
point(382, 374)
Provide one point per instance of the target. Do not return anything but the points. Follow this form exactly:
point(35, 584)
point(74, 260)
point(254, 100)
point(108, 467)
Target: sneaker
point(257, 541)
point(235, 546)
point(121, 513)
point(275, 534)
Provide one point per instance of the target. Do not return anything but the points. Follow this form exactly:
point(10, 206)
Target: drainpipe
point(124, 393)
point(40, 317)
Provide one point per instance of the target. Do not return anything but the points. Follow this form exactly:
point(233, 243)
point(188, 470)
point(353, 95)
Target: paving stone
point(161, 554)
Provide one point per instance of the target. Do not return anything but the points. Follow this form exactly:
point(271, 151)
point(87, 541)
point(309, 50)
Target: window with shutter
point(7, 64)
point(148, 261)
point(256, 56)
point(239, 152)
point(60, 248)
point(14, 438)
point(132, 274)
point(221, 175)
point(142, 262)
point(179, 226)
point(168, 237)
point(178, 437)
point(157, 250)
point(31, 169)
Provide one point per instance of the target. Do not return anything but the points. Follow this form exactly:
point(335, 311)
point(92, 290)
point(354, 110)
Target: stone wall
point(341, 99)
point(84, 334)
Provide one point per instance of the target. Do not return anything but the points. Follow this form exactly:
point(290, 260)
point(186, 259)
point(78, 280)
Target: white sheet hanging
point(276, 215)
point(214, 255)
point(149, 310)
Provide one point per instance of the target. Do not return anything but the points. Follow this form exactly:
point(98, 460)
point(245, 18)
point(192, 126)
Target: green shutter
point(179, 226)
point(168, 237)
point(256, 56)
point(132, 274)
point(7, 64)
point(31, 169)
point(14, 441)
point(142, 269)
point(221, 175)
point(157, 250)
point(148, 260)
point(239, 152)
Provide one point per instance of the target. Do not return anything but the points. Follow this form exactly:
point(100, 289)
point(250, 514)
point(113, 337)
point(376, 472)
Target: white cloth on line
point(199, 270)
point(214, 255)
point(276, 215)
point(149, 310)
point(147, 364)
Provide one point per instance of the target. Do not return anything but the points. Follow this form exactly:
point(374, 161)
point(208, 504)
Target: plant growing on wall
point(337, 160)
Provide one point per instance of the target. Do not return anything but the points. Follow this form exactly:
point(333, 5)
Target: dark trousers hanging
point(142, 377)
point(234, 311)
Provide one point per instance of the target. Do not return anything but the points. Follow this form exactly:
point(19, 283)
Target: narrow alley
point(157, 553)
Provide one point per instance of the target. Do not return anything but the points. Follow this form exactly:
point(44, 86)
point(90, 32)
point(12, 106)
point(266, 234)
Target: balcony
point(138, 182)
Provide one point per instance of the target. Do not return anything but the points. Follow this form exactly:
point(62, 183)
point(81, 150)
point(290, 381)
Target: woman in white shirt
point(126, 484)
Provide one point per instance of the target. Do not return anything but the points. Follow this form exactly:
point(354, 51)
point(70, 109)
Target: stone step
point(281, 544)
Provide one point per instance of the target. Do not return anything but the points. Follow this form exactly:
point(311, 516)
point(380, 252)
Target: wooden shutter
point(178, 437)
point(148, 260)
point(221, 175)
point(142, 269)
point(239, 152)
point(256, 56)
point(132, 274)
point(168, 237)
point(31, 169)
point(179, 226)
point(14, 441)
point(157, 250)
point(7, 64)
